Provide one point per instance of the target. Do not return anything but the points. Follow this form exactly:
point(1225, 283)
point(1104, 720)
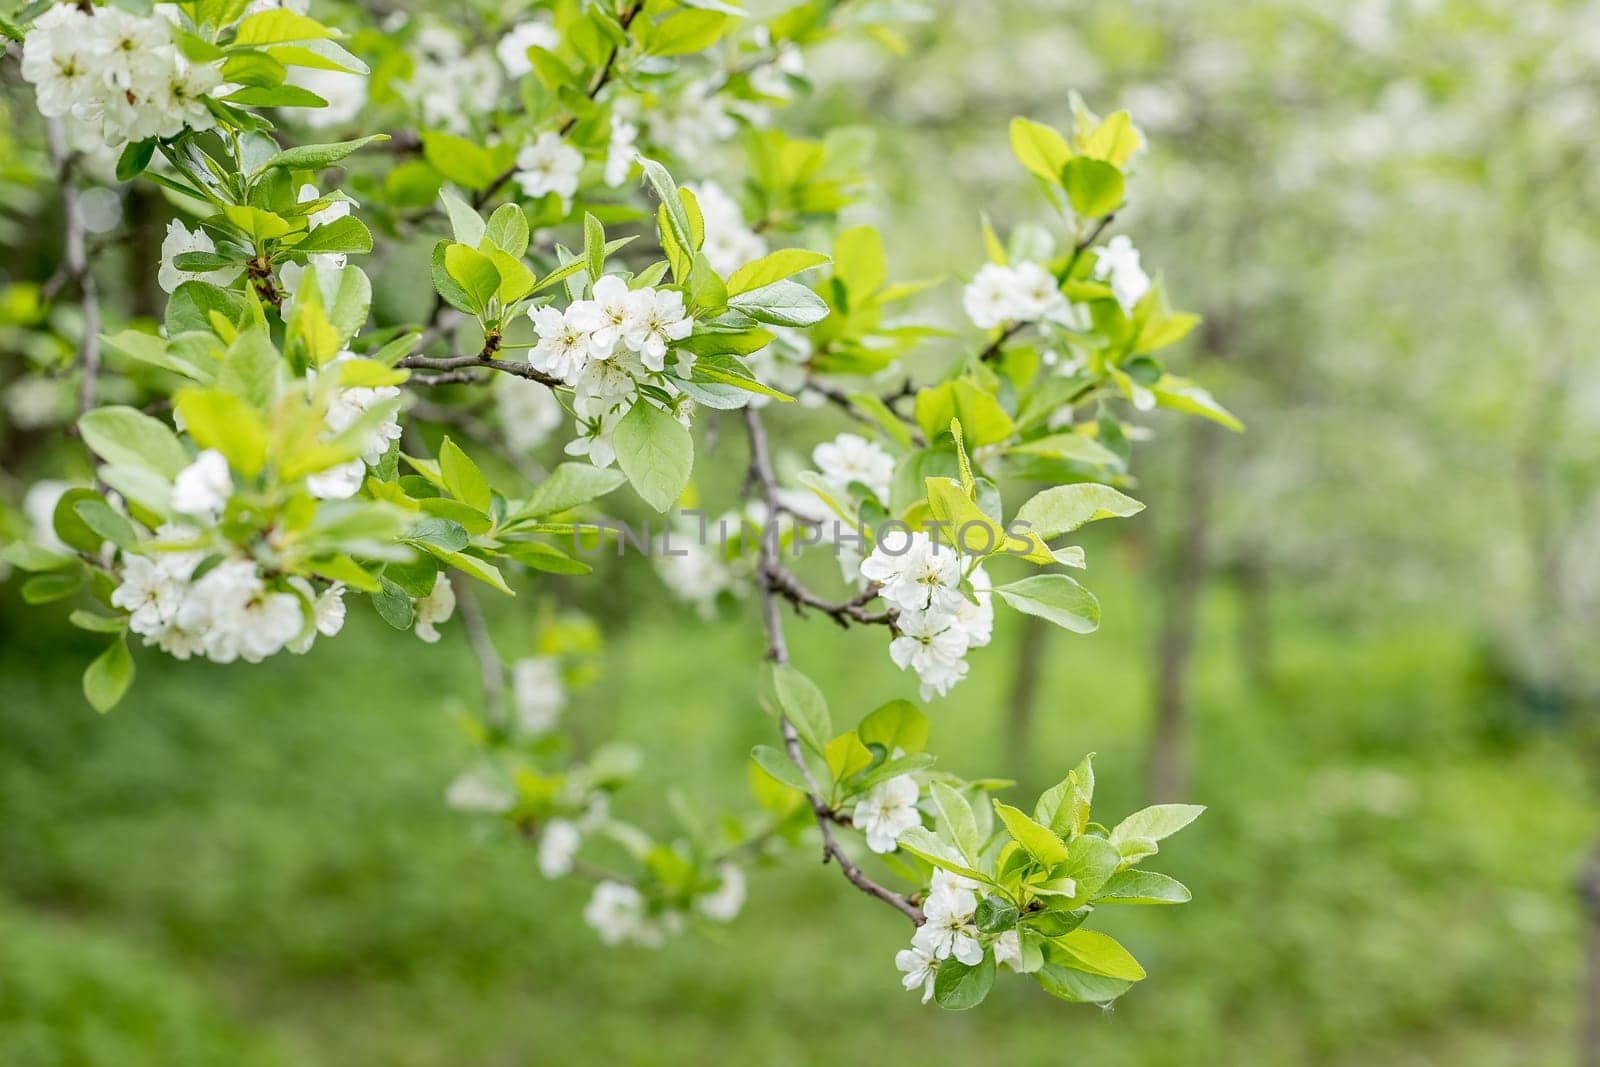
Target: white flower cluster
point(549, 165)
point(229, 612)
point(1024, 293)
point(936, 621)
point(512, 50)
point(886, 811)
point(950, 931)
point(1118, 264)
point(345, 407)
point(620, 914)
point(690, 122)
point(448, 83)
point(117, 76)
point(729, 243)
point(852, 458)
point(328, 264)
point(603, 347)
point(529, 413)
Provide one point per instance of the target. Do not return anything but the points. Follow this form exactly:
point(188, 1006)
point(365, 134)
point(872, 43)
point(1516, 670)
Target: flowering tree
point(281, 437)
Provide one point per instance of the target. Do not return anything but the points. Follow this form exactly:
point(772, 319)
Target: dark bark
point(1183, 584)
point(1025, 692)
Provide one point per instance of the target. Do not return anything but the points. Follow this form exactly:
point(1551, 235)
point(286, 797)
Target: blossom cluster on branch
point(290, 444)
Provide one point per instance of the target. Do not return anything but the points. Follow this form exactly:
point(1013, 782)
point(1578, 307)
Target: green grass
point(253, 865)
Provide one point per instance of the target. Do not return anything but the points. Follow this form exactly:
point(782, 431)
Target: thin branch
point(762, 478)
point(76, 264)
point(992, 350)
point(785, 583)
point(470, 364)
point(601, 80)
point(838, 396)
point(490, 667)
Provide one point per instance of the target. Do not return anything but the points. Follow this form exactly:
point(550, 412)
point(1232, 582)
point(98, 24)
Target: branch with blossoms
point(275, 471)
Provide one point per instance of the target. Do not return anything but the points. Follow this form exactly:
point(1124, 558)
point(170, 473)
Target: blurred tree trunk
point(1589, 1035)
point(1025, 692)
point(1183, 584)
point(1252, 579)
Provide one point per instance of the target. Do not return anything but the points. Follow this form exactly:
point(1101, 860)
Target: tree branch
point(469, 365)
point(76, 264)
point(762, 477)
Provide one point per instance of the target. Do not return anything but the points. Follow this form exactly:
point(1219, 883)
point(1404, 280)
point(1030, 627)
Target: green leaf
point(1064, 807)
point(1143, 887)
point(779, 767)
point(462, 476)
point(955, 816)
point(135, 158)
point(474, 272)
point(783, 303)
point(656, 452)
point(957, 987)
point(98, 624)
point(773, 268)
point(393, 605)
point(543, 557)
point(225, 422)
point(348, 235)
point(1079, 987)
point(317, 156)
point(1091, 861)
point(1180, 394)
point(107, 679)
point(995, 915)
point(685, 32)
point(1040, 842)
point(666, 191)
point(571, 485)
point(982, 419)
point(1156, 823)
point(1063, 508)
point(52, 586)
point(1092, 951)
point(1093, 186)
point(126, 436)
point(277, 25)
point(106, 522)
point(803, 705)
point(897, 724)
point(1040, 149)
point(1056, 598)
point(465, 223)
point(508, 229)
point(594, 246)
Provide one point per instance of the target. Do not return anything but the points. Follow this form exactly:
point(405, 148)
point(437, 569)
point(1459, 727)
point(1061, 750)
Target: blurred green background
point(1363, 633)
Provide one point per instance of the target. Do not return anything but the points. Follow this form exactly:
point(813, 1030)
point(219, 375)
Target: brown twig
point(762, 478)
point(76, 264)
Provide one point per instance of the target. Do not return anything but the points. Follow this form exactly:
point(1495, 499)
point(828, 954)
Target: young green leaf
point(656, 452)
point(803, 705)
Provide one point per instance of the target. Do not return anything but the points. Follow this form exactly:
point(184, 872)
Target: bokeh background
point(1363, 633)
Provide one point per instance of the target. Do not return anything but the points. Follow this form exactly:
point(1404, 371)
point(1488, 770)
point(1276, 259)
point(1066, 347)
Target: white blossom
point(549, 165)
point(617, 913)
point(724, 903)
point(1026, 292)
point(558, 844)
point(612, 311)
point(1007, 950)
point(657, 320)
point(180, 240)
point(236, 616)
point(729, 243)
point(595, 428)
point(202, 488)
point(915, 573)
point(931, 644)
point(345, 93)
point(887, 810)
point(949, 930)
point(529, 413)
point(976, 620)
point(621, 150)
point(850, 458)
point(921, 967)
point(513, 47)
point(563, 349)
point(479, 790)
point(537, 693)
point(1118, 263)
point(434, 608)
